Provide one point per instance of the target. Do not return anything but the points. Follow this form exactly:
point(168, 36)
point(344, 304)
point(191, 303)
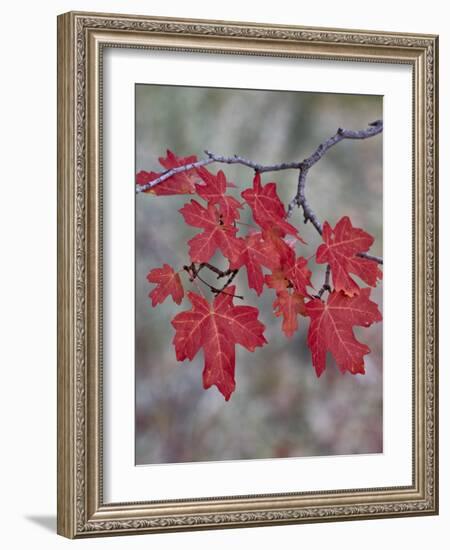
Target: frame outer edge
point(66, 523)
point(435, 215)
point(76, 431)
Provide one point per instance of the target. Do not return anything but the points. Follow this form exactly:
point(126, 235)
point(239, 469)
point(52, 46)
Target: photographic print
point(258, 272)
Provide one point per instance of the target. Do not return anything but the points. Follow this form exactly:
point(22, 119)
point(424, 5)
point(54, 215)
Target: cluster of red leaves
point(218, 326)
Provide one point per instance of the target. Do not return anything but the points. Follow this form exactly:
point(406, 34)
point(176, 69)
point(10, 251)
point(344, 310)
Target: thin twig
point(326, 285)
point(220, 274)
point(193, 272)
point(300, 200)
point(233, 274)
point(370, 257)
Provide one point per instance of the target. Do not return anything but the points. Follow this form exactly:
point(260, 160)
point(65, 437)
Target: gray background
point(280, 408)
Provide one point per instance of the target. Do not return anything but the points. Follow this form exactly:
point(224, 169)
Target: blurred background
point(279, 408)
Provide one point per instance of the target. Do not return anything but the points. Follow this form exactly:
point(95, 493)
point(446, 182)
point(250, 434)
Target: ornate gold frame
point(81, 37)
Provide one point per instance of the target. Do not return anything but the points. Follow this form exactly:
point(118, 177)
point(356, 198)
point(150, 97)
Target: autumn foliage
point(268, 252)
point(216, 328)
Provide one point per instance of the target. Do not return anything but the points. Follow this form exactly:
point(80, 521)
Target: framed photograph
point(247, 276)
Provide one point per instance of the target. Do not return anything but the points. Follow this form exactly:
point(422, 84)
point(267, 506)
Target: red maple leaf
point(182, 183)
point(168, 282)
point(340, 249)
point(291, 272)
point(331, 329)
point(217, 234)
point(284, 251)
point(277, 280)
point(214, 191)
point(257, 252)
point(299, 275)
point(289, 305)
point(268, 210)
point(217, 328)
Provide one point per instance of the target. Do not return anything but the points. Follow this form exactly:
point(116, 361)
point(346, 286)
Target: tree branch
point(236, 159)
point(303, 167)
point(300, 198)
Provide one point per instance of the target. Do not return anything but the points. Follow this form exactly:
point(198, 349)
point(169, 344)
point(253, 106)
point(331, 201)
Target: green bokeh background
point(280, 408)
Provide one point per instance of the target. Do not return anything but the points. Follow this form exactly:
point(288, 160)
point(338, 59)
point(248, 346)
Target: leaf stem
point(326, 285)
